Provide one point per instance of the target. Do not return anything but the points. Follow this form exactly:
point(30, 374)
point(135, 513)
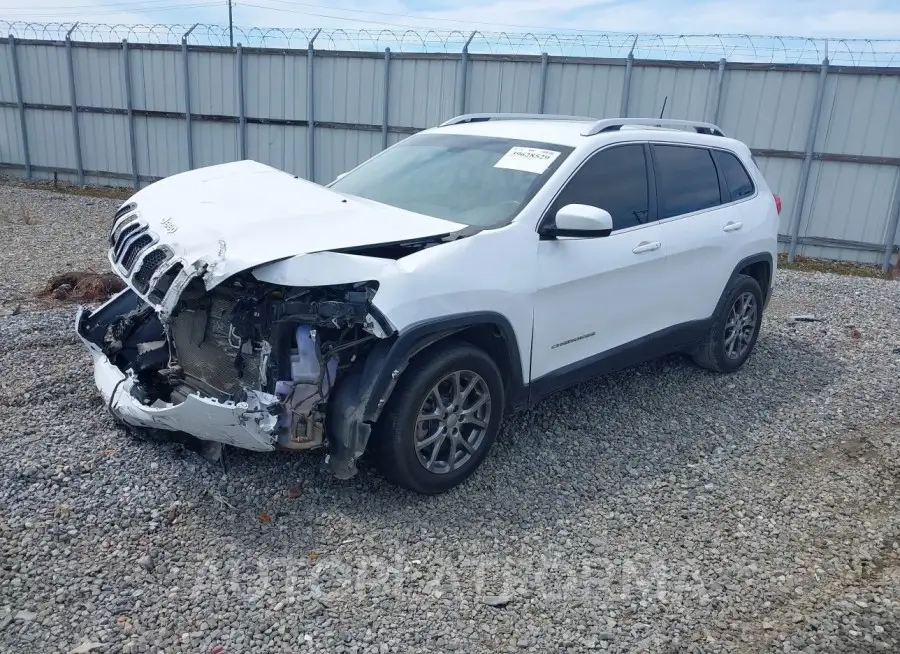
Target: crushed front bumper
point(247, 424)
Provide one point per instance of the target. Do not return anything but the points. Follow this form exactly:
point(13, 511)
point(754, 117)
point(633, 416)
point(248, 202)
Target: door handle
point(646, 246)
point(732, 226)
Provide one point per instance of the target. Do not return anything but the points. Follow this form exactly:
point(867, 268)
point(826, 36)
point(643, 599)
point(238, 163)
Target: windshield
point(474, 180)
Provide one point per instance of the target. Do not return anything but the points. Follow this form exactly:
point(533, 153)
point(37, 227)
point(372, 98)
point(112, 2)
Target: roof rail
point(614, 124)
point(477, 118)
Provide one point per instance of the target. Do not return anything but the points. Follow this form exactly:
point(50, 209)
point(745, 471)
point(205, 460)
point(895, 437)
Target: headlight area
point(266, 349)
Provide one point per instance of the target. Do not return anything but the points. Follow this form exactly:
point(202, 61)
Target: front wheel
point(442, 418)
point(735, 328)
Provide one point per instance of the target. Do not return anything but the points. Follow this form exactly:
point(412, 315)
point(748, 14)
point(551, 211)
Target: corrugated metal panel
point(157, 79)
point(105, 143)
point(840, 254)
point(213, 83)
point(861, 115)
point(584, 89)
point(44, 74)
point(768, 109)
point(422, 92)
point(348, 89)
point(99, 77)
point(339, 150)
point(94, 180)
point(71, 178)
point(279, 146)
point(214, 143)
point(395, 138)
point(161, 148)
point(848, 201)
point(10, 137)
point(783, 177)
point(513, 86)
point(45, 175)
point(7, 82)
point(275, 86)
point(894, 200)
point(688, 93)
point(50, 141)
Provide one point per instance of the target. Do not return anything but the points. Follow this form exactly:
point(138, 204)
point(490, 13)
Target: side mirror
point(579, 221)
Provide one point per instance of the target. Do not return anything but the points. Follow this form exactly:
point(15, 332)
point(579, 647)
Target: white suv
point(467, 271)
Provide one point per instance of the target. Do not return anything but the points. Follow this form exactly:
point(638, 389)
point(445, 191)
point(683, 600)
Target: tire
point(396, 448)
point(720, 353)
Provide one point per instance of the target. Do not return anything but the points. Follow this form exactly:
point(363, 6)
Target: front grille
point(129, 239)
point(121, 240)
point(118, 225)
point(125, 208)
point(205, 352)
point(150, 264)
point(133, 250)
point(164, 283)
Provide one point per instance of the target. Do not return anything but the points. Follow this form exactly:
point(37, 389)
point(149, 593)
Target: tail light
point(777, 202)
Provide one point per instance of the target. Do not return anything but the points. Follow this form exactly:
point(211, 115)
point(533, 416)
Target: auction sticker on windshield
point(529, 160)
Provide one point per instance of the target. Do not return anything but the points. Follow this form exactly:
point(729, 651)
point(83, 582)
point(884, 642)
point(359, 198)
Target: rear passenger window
point(736, 177)
point(686, 180)
point(614, 179)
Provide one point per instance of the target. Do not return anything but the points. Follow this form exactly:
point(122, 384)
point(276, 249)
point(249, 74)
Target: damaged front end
point(249, 364)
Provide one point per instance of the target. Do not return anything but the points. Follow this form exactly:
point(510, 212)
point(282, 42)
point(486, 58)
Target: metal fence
point(568, 43)
point(99, 112)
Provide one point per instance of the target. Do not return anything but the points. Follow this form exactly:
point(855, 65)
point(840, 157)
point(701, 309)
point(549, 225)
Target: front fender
point(359, 398)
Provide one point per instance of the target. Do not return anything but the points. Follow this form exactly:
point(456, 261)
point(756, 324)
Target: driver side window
point(614, 179)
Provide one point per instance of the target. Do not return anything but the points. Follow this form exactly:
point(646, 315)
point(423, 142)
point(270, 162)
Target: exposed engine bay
point(272, 353)
point(235, 337)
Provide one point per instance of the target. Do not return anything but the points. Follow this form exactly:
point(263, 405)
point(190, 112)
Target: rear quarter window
point(737, 179)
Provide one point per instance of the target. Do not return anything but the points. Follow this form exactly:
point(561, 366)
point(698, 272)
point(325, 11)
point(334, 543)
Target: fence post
point(310, 110)
point(545, 65)
point(807, 159)
point(21, 102)
point(463, 73)
point(187, 97)
point(720, 87)
point(626, 84)
point(893, 223)
point(129, 104)
point(76, 132)
point(242, 118)
point(387, 90)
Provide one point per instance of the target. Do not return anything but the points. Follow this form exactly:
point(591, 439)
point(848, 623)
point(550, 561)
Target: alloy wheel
point(741, 325)
point(452, 422)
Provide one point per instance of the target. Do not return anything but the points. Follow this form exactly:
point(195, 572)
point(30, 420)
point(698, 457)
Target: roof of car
point(571, 132)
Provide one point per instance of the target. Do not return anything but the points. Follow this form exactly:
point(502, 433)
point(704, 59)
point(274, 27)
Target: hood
point(239, 215)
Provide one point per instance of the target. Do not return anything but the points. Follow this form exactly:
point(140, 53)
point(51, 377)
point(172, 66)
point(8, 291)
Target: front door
point(595, 295)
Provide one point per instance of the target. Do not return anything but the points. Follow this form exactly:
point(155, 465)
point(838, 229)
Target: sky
point(814, 18)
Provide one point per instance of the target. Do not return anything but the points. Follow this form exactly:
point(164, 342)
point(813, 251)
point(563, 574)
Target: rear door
point(701, 226)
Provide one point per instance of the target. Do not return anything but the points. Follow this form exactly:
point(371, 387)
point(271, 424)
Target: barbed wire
point(693, 47)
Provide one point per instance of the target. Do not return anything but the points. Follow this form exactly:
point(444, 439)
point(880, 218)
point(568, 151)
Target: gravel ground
point(662, 509)
point(48, 233)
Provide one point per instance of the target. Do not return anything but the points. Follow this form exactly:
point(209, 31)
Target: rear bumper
point(247, 424)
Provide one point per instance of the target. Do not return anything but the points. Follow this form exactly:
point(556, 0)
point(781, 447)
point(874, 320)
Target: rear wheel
point(735, 328)
point(442, 418)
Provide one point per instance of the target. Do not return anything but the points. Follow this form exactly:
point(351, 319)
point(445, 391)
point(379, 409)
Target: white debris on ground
point(662, 509)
